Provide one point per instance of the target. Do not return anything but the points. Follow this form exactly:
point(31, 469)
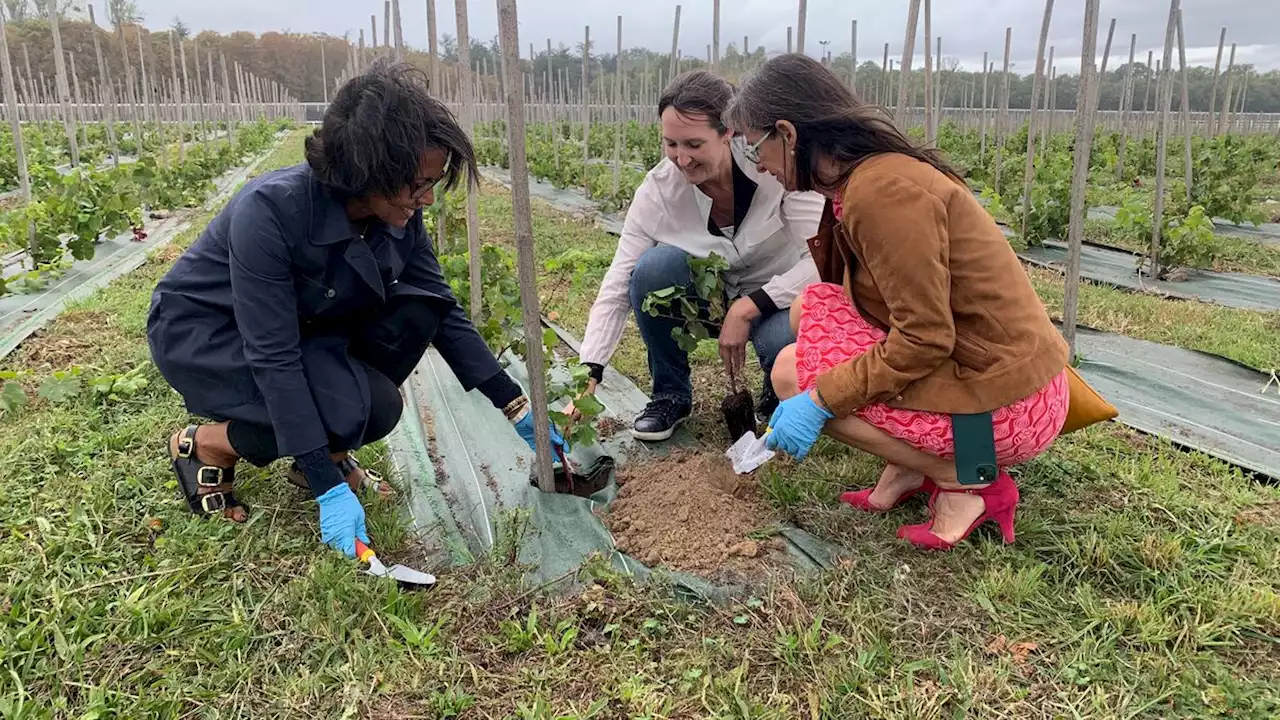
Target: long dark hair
point(828, 117)
point(377, 128)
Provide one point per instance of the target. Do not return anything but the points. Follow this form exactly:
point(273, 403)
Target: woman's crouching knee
point(784, 376)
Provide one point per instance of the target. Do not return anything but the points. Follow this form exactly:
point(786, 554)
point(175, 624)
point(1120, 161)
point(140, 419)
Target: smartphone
point(975, 448)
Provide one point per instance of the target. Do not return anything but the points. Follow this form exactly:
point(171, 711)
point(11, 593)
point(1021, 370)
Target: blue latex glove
point(796, 425)
point(525, 429)
point(342, 519)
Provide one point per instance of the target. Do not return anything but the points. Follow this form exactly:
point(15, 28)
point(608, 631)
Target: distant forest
point(294, 61)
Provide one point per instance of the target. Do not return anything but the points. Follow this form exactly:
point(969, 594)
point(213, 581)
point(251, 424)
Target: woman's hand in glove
point(342, 519)
point(524, 426)
point(797, 424)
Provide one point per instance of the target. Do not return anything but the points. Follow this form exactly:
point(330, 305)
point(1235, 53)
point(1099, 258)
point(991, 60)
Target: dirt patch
point(437, 460)
point(166, 254)
point(74, 338)
point(1266, 514)
point(690, 512)
point(607, 427)
point(490, 481)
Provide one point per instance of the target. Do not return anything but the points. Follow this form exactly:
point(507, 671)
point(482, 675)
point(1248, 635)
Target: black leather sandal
point(194, 475)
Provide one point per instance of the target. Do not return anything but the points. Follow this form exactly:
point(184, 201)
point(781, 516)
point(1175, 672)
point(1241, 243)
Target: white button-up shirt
point(769, 250)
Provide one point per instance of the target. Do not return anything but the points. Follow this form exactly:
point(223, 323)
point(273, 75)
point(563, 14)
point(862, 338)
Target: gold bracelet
point(514, 407)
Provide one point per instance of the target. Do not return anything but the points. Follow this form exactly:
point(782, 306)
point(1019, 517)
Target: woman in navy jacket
point(295, 317)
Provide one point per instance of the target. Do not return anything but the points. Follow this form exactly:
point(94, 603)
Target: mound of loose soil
point(690, 512)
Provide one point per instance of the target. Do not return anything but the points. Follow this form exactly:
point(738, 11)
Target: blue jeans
point(662, 267)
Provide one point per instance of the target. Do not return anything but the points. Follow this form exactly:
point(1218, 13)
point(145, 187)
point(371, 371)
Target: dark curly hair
point(377, 128)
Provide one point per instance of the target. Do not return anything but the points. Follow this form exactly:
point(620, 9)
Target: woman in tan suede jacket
point(924, 312)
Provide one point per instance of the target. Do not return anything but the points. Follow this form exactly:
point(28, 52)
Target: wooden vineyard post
point(1102, 73)
point(1048, 104)
point(586, 99)
point(11, 109)
point(853, 57)
point(180, 106)
point(1211, 130)
point(386, 28)
point(79, 110)
point(466, 89)
point(986, 76)
point(144, 88)
point(226, 102)
point(715, 33)
point(904, 70)
point(212, 95)
point(1029, 175)
point(675, 46)
point(521, 209)
point(1085, 109)
point(1224, 119)
point(1164, 98)
point(1126, 106)
point(399, 36)
point(802, 21)
point(928, 72)
point(197, 94)
point(1002, 112)
point(1186, 110)
point(937, 88)
point(433, 48)
point(1146, 96)
point(619, 126)
point(63, 88)
point(884, 78)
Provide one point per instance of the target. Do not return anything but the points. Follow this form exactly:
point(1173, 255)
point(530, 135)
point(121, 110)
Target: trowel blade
point(400, 573)
point(749, 453)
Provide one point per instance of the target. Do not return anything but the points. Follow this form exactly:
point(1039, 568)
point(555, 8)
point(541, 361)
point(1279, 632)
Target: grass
point(1145, 583)
point(1252, 338)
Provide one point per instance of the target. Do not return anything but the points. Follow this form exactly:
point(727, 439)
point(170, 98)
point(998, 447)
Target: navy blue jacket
point(226, 322)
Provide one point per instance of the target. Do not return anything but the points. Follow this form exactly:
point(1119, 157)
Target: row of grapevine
point(71, 211)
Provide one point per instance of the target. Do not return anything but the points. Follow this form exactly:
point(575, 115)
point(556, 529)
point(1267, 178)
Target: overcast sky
point(968, 27)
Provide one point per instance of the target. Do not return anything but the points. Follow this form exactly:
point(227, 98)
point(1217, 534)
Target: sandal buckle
point(221, 502)
point(215, 472)
point(185, 446)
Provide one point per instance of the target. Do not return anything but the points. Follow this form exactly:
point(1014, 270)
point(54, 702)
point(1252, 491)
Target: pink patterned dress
point(832, 332)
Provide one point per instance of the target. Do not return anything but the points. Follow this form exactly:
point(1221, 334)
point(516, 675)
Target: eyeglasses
point(418, 191)
point(752, 150)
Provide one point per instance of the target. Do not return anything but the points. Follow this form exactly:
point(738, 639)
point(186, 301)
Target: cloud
point(968, 27)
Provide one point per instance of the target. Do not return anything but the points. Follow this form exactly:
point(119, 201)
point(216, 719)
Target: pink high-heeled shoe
point(861, 499)
point(1001, 498)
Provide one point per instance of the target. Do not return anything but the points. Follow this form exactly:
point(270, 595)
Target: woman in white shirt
point(704, 198)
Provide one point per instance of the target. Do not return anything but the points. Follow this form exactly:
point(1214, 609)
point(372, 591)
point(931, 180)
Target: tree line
point(294, 61)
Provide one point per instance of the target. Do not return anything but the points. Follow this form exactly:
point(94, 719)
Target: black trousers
point(391, 343)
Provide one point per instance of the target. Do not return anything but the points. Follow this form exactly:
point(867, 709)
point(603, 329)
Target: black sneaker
point(767, 404)
point(659, 420)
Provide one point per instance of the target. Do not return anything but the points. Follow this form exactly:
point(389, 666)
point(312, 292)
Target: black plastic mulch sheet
point(1120, 268)
point(1196, 400)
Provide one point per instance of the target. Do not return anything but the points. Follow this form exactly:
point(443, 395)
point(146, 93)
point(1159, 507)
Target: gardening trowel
point(749, 452)
point(408, 578)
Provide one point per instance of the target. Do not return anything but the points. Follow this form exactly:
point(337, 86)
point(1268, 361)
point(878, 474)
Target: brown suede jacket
point(966, 331)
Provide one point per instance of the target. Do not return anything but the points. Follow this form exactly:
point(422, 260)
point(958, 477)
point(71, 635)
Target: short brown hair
point(698, 92)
